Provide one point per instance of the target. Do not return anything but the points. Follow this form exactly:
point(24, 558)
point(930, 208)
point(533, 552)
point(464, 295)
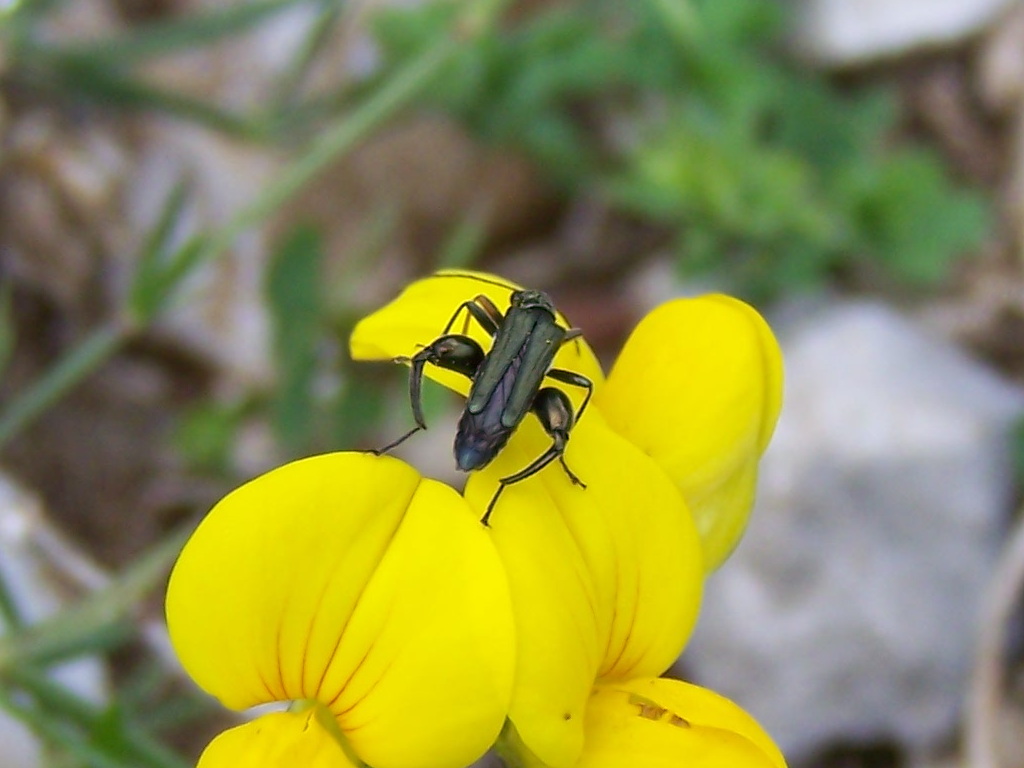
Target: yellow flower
point(606, 581)
point(367, 595)
point(697, 387)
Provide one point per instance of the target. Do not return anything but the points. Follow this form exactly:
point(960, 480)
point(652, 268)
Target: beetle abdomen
point(479, 438)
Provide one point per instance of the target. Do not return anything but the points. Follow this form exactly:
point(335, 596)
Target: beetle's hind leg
point(554, 410)
point(576, 380)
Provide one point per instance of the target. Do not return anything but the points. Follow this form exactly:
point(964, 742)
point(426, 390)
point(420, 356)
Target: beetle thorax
point(532, 300)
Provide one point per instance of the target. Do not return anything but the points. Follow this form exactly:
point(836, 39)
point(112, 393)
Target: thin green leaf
point(66, 374)
point(289, 83)
point(296, 307)
point(129, 92)
point(7, 335)
point(104, 729)
point(148, 285)
point(73, 631)
point(57, 732)
point(10, 612)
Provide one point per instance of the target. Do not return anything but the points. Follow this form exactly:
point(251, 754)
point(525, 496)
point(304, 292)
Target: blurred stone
point(39, 588)
point(220, 313)
point(1001, 64)
point(845, 32)
point(848, 612)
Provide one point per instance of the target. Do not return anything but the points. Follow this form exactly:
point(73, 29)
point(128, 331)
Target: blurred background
point(198, 199)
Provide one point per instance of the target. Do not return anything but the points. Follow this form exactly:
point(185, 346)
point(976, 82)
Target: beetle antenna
point(487, 281)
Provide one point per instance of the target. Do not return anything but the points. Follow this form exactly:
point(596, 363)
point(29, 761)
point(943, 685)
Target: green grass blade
point(69, 370)
point(166, 37)
point(7, 336)
point(296, 302)
point(288, 85)
point(128, 92)
point(147, 284)
point(74, 630)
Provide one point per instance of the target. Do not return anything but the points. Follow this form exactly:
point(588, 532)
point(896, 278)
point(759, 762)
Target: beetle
point(506, 381)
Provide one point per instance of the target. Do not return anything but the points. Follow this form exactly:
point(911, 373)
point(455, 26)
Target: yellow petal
point(350, 580)
point(429, 651)
point(421, 312)
point(606, 581)
point(698, 387)
point(657, 723)
point(279, 740)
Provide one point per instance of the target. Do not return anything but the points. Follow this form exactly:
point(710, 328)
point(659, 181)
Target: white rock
point(849, 610)
point(842, 32)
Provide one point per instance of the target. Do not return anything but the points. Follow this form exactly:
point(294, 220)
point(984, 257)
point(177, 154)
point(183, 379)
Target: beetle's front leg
point(554, 410)
point(452, 352)
point(574, 335)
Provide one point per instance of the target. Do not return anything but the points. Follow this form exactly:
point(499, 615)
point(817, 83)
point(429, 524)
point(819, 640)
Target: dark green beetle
point(506, 382)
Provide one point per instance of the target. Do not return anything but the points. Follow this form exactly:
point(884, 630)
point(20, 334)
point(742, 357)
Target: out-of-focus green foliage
point(766, 172)
point(206, 436)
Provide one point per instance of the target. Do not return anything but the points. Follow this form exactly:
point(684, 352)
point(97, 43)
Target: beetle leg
point(554, 410)
point(482, 310)
point(574, 334)
point(482, 307)
point(576, 380)
point(415, 392)
point(452, 352)
point(491, 503)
